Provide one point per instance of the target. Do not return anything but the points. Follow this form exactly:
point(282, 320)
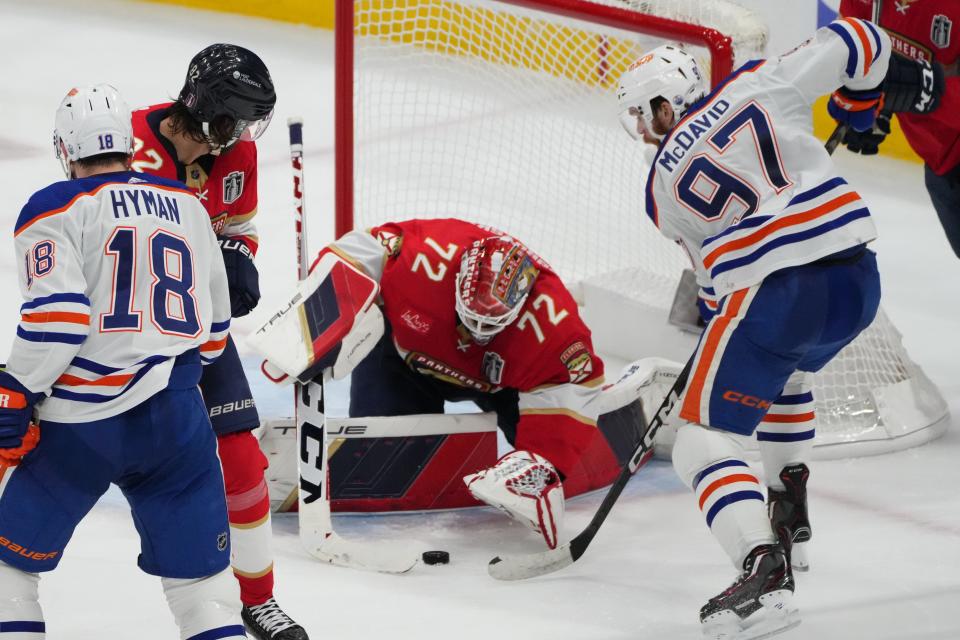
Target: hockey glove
point(914, 86)
point(856, 109)
point(16, 410)
point(12, 457)
point(242, 277)
point(868, 142)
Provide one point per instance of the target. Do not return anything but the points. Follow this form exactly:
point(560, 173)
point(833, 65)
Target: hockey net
point(503, 113)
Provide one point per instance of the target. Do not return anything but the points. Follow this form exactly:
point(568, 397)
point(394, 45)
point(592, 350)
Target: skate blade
point(776, 616)
point(799, 559)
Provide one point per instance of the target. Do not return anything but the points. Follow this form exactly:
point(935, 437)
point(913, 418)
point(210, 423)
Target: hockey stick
point(316, 525)
point(520, 567)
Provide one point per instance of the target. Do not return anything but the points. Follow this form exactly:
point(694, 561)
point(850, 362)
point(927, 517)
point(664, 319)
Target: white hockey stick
point(316, 525)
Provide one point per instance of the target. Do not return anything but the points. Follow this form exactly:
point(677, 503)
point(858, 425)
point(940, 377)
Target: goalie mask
point(91, 121)
point(495, 278)
point(667, 72)
point(228, 81)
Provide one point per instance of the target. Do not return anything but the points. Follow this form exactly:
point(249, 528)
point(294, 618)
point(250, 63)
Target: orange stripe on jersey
point(106, 381)
point(864, 41)
point(778, 224)
point(56, 316)
point(722, 482)
point(92, 192)
point(797, 417)
point(691, 404)
point(213, 345)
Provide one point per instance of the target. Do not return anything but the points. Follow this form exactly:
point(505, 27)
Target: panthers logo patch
point(576, 358)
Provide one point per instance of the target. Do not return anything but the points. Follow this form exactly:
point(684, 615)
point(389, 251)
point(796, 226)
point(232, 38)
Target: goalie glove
point(527, 488)
point(329, 322)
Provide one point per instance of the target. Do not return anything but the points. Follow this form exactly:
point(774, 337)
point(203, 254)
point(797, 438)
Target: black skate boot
point(758, 604)
point(788, 514)
point(267, 621)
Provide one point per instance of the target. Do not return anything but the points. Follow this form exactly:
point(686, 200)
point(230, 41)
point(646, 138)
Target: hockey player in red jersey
point(921, 34)
point(206, 140)
point(472, 314)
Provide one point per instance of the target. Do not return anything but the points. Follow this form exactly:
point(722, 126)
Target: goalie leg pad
point(206, 607)
point(248, 509)
point(20, 615)
point(727, 490)
point(527, 488)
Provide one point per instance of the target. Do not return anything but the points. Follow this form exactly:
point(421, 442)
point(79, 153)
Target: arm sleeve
point(55, 315)
point(239, 225)
point(220, 302)
point(362, 249)
point(848, 52)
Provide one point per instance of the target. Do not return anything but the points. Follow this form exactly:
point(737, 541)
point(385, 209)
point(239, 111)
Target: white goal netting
point(505, 115)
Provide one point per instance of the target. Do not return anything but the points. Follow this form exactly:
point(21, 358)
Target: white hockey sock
point(205, 607)
point(20, 615)
point(786, 433)
point(727, 490)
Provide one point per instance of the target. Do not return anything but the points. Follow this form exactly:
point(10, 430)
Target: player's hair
point(221, 127)
point(102, 160)
point(656, 102)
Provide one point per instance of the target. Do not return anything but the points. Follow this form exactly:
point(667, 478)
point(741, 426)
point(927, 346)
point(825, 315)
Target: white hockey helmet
point(496, 276)
point(92, 121)
point(667, 72)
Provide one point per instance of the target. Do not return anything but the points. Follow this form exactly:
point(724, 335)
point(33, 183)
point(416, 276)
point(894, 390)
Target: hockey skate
point(788, 514)
point(758, 604)
point(267, 621)
point(527, 488)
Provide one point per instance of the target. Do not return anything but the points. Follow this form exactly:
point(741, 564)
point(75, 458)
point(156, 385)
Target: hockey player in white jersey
point(125, 295)
point(778, 243)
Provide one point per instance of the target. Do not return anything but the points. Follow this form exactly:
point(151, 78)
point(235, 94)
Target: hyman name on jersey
point(691, 131)
point(143, 202)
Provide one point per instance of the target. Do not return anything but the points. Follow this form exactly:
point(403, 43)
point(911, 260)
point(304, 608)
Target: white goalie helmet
point(92, 121)
point(668, 72)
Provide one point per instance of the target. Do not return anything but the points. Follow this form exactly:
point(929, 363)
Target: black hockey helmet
point(227, 80)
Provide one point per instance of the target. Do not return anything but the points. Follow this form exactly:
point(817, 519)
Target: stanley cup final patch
point(232, 186)
point(940, 30)
point(576, 358)
point(493, 367)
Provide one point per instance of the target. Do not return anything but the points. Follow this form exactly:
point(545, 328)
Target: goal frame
point(718, 44)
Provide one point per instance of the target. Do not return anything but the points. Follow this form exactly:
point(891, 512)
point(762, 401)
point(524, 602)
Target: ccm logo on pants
point(748, 401)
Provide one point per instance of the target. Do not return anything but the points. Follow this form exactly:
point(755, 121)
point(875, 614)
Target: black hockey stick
point(519, 567)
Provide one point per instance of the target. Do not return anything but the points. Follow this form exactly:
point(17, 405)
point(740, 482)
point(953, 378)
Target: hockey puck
point(436, 557)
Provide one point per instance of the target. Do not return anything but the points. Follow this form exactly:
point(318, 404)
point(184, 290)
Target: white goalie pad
point(330, 322)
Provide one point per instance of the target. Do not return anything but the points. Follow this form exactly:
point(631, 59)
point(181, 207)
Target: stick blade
point(378, 557)
point(531, 565)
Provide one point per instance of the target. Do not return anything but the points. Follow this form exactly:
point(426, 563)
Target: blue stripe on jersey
point(50, 336)
point(217, 327)
point(229, 631)
point(876, 39)
point(708, 290)
point(799, 398)
point(715, 467)
point(736, 496)
point(765, 436)
point(23, 626)
point(816, 192)
point(59, 194)
point(750, 65)
point(94, 367)
point(96, 398)
point(55, 297)
point(756, 221)
point(762, 250)
point(853, 58)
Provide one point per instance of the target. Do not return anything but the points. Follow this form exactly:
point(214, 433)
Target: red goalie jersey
point(226, 185)
point(545, 354)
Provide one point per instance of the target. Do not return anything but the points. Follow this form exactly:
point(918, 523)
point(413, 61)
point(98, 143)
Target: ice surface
point(886, 553)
